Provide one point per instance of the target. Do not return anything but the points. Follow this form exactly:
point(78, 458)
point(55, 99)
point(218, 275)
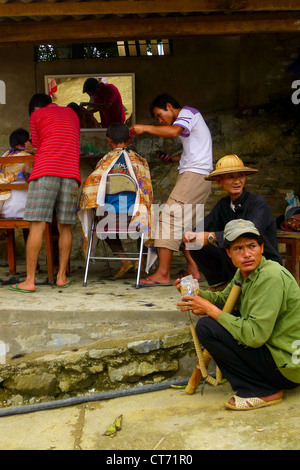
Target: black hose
point(50, 405)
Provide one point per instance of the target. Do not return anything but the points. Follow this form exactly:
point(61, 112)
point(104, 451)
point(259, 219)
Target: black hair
point(91, 84)
point(161, 101)
point(18, 137)
point(118, 132)
point(39, 100)
point(75, 107)
point(258, 238)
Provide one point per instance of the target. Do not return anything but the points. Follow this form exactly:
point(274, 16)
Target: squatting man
point(255, 346)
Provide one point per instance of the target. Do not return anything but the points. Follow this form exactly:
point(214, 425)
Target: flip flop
point(18, 289)
point(251, 403)
point(154, 283)
point(65, 285)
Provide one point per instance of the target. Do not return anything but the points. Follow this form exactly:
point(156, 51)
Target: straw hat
point(229, 164)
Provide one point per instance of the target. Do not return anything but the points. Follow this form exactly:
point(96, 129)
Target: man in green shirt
point(257, 348)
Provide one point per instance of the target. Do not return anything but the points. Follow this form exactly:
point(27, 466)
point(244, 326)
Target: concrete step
point(101, 336)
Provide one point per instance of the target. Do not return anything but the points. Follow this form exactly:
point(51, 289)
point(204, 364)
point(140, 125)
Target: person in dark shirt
point(105, 98)
point(207, 247)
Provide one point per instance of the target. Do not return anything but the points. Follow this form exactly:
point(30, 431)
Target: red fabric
point(53, 90)
point(55, 133)
point(52, 86)
point(292, 224)
point(109, 93)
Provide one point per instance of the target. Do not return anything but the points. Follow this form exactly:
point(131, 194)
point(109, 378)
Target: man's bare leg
point(163, 273)
point(33, 247)
point(192, 267)
point(64, 250)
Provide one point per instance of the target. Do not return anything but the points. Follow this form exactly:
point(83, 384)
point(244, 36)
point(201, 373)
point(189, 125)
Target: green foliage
point(50, 52)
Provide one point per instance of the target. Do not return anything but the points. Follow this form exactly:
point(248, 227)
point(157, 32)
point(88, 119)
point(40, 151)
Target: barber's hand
point(137, 129)
point(166, 158)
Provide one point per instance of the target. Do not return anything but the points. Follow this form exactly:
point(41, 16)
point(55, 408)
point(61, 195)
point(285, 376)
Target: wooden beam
point(74, 8)
point(145, 28)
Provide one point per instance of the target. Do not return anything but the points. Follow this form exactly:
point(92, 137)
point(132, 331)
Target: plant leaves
point(111, 431)
point(118, 422)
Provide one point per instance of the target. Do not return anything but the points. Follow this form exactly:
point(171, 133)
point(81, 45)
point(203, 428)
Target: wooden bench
point(291, 253)
point(8, 226)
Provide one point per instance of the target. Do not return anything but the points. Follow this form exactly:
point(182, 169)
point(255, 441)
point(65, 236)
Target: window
point(155, 47)
point(144, 47)
point(50, 52)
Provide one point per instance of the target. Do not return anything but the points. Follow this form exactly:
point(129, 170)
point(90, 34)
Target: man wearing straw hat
point(207, 247)
point(257, 347)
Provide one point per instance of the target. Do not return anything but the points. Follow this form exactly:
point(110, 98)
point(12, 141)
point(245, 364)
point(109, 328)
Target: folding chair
point(116, 184)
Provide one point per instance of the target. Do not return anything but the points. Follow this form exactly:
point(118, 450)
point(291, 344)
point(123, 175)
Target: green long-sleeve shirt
point(269, 305)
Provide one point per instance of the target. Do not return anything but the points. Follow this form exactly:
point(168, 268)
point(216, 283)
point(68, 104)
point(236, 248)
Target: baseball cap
point(237, 228)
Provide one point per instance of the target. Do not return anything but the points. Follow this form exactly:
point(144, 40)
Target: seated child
point(93, 197)
point(12, 203)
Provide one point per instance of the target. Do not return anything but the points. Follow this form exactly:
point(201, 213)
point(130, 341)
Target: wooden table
point(291, 255)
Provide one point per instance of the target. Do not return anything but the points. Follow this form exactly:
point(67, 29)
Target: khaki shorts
point(52, 192)
point(182, 210)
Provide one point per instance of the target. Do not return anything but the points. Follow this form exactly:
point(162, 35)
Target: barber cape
point(93, 193)
point(14, 172)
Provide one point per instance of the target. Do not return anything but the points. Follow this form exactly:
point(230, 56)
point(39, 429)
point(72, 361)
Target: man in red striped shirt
point(53, 183)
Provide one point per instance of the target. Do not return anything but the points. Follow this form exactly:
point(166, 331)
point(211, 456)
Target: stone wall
point(111, 365)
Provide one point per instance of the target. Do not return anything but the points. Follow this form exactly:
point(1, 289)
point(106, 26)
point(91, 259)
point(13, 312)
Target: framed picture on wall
point(114, 100)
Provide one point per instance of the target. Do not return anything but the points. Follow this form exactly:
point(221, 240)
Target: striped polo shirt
point(55, 133)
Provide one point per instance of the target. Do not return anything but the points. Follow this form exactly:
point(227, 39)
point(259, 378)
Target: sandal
point(249, 403)
point(125, 268)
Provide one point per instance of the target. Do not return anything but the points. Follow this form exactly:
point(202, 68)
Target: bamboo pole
point(204, 357)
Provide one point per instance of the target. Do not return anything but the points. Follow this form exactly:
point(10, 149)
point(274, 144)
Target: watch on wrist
point(211, 238)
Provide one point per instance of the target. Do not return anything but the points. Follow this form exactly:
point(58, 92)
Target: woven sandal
point(251, 403)
point(125, 268)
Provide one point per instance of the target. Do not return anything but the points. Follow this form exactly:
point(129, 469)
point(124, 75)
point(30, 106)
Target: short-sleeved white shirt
point(196, 142)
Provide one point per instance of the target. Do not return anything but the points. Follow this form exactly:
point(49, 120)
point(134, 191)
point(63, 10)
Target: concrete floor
point(154, 421)
point(161, 421)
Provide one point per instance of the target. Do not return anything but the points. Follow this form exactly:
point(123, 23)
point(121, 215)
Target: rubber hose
point(50, 405)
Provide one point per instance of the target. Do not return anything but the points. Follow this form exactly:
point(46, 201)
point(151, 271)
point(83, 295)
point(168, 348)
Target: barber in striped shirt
point(53, 183)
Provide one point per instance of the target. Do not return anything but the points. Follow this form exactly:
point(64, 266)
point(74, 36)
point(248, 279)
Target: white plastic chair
point(117, 183)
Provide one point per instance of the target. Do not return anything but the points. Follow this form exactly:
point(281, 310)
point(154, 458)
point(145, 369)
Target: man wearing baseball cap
point(256, 347)
point(208, 251)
